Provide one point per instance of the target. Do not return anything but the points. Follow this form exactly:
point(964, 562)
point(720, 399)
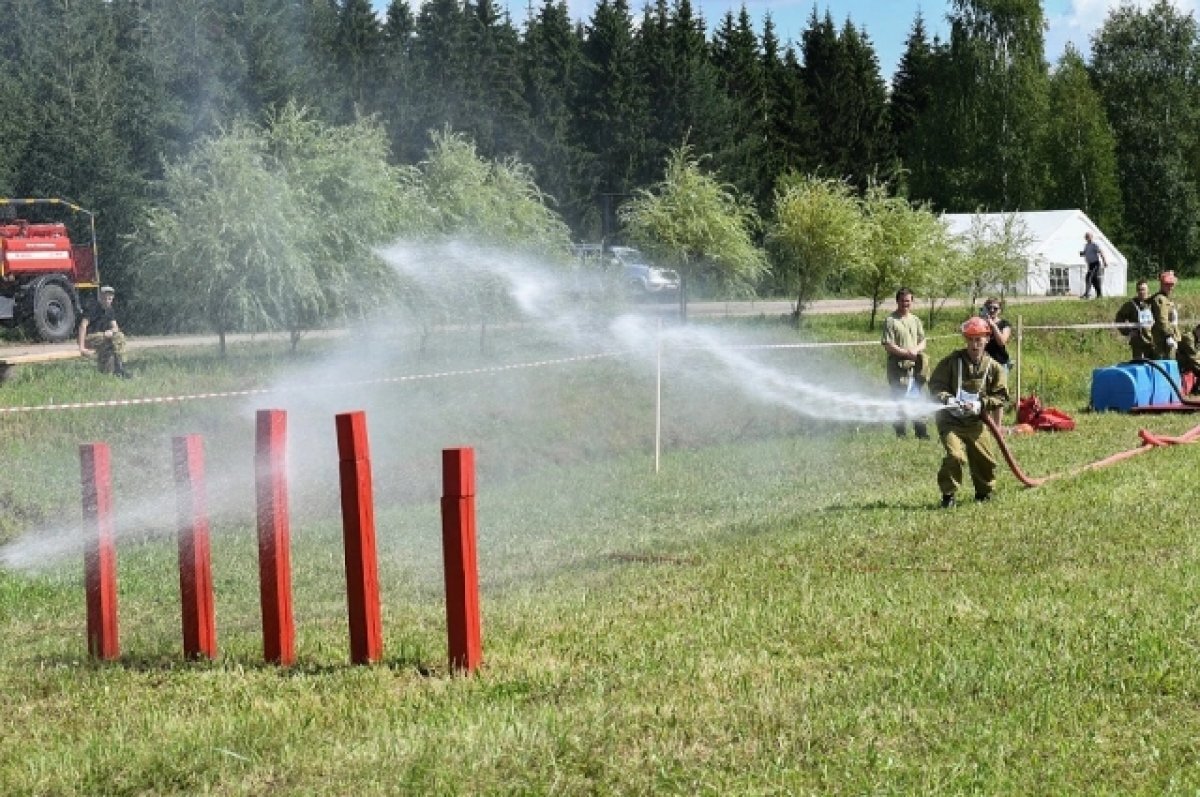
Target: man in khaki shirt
point(907, 363)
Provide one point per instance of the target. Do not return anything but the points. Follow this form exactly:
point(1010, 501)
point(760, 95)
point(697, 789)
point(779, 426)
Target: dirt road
point(17, 353)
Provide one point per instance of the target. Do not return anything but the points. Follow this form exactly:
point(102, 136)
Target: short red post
point(274, 537)
point(195, 552)
point(459, 559)
point(358, 537)
point(100, 552)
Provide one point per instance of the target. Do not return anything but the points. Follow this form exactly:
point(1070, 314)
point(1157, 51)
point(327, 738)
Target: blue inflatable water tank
point(1118, 388)
point(1122, 387)
point(1163, 392)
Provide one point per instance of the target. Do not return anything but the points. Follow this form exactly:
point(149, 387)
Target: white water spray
point(471, 285)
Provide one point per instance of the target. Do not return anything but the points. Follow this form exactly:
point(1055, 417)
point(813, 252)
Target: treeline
point(101, 96)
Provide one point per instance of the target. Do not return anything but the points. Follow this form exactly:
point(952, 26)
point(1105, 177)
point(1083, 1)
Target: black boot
point(119, 369)
point(922, 431)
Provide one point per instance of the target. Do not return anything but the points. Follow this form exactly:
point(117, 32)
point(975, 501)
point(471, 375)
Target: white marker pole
point(1020, 335)
point(658, 399)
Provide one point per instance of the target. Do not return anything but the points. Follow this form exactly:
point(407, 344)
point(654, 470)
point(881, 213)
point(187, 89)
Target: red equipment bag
point(1044, 419)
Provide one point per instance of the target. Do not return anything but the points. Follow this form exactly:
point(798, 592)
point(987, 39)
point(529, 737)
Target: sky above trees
point(887, 23)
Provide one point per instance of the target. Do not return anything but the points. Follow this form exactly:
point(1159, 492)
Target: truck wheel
point(53, 318)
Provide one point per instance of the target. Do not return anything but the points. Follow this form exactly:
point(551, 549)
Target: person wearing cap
point(105, 340)
point(1093, 255)
point(997, 346)
point(907, 362)
point(970, 383)
point(1164, 331)
point(1137, 320)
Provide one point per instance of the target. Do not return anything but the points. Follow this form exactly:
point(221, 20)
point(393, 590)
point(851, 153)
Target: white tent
point(1055, 267)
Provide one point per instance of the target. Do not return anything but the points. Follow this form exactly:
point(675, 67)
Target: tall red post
point(459, 559)
point(358, 536)
point(195, 552)
point(274, 537)
point(100, 552)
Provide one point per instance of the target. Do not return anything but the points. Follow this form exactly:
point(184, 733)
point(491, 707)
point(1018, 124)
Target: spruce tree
point(743, 155)
point(394, 91)
point(358, 49)
point(610, 110)
point(911, 98)
point(551, 64)
point(1080, 150)
point(1145, 65)
point(498, 117)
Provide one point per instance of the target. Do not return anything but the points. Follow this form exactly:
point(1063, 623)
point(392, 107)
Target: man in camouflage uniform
point(105, 339)
point(1138, 317)
point(907, 362)
point(1165, 331)
point(1188, 357)
point(969, 383)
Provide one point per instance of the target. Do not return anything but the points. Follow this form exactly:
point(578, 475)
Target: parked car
point(639, 275)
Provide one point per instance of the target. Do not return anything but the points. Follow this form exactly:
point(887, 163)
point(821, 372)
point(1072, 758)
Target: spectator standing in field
point(1164, 332)
point(969, 383)
point(997, 345)
point(1188, 357)
point(907, 362)
point(1139, 320)
point(105, 340)
point(1093, 256)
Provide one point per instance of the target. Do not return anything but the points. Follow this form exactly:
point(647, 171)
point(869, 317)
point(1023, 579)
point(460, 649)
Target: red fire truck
point(41, 270)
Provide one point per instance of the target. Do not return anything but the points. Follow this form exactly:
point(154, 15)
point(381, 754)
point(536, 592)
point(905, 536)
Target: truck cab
point(42, 272)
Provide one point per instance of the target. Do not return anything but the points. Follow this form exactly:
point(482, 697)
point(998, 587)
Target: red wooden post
point(195, 552)
point(459, 559)
point(100, 552)
point(274, 537)
point(358, 536)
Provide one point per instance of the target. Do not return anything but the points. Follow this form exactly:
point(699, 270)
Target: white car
point(640, 275)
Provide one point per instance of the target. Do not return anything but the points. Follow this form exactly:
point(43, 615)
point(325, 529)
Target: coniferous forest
point(101, 97)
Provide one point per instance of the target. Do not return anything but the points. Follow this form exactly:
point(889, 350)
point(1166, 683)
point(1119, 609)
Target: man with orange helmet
point(969, 383)
point(1165, 331)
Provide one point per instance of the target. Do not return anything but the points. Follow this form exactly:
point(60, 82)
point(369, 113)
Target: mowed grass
point(780, 610)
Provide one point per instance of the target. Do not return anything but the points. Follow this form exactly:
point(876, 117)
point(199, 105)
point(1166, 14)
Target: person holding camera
point(969, 382)
point(997, 345)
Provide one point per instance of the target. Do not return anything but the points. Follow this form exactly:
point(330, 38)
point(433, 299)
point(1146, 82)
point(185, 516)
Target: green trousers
point(966, 444)
point(108, 350)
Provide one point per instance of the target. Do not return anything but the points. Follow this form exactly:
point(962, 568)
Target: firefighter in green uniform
point(1138, 319)
point(1165, 331)
point(101, 336)
point(1188, 357)
point(907, 362)
point(969, 383)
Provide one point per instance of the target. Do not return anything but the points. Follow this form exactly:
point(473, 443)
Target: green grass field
point(780, 610)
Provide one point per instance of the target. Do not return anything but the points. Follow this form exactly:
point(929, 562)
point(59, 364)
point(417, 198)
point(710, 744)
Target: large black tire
point(53, 316)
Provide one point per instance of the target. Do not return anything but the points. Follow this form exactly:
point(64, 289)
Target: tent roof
point(1048, 229)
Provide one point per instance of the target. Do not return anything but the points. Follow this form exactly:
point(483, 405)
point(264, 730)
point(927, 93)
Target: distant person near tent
point(1094, 257)
point(1139, 319)
point(1165, 331)
point(969, 383)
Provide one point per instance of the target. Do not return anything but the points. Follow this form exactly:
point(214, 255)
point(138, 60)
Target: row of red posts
point(465, 641)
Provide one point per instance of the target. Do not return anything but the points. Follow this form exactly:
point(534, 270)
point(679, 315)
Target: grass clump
point(780, 610)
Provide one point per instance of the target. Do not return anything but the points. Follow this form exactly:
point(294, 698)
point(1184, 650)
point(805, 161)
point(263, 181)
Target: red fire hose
point(1149, 441)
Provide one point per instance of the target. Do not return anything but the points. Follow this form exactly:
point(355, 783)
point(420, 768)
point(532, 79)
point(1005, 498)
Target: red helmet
point(976, 327)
